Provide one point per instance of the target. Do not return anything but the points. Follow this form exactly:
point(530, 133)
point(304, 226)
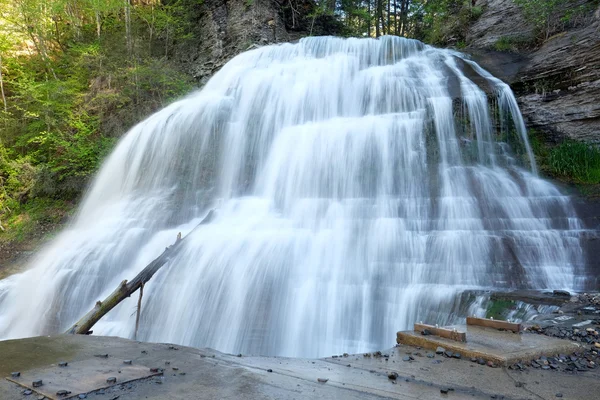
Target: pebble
point(430, 355)
point(63, 392)
point(82, 396)
point(15, 374)
point(112, 379)
point(559, 395)
point(27, 392)
point(322, 380)
point(37, 383)
point(456, 355)
point(128, 362)
point(444, 391)
point(63, 364)
point(448, 354)
point(440, 350)
point(269, 370)
point(491, 364)
point(393, 376)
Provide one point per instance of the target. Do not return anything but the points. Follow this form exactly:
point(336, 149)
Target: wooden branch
point(126, 289)
point(452, 334)
point(139, 307)
point(496, 324)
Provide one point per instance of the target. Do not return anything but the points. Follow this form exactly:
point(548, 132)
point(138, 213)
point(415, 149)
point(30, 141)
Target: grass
point(576, 160)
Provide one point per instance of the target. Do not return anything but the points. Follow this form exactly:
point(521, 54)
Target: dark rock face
point(227, 28)
point(562, 85)
point(558, 84)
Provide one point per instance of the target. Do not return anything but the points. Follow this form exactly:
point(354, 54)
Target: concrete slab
point(81, 377)
point(500, 347)
point(203, 374)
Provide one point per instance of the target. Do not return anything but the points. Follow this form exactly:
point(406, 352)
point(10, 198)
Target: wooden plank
point(452, 334)
point(496, 324)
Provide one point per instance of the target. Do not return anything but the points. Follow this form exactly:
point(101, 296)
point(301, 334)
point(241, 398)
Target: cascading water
point(359, 185)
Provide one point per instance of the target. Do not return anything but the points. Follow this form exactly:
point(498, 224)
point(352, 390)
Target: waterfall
point(359, 185)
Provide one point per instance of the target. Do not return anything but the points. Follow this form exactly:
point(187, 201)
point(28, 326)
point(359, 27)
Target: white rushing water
point(359, 185)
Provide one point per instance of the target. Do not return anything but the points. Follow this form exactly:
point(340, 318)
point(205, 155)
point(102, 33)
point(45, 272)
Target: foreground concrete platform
point(501, 347)
point(207, 374)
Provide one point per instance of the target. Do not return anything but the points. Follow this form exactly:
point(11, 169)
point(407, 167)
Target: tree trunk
point(377, 14)
point(389, 17)
point(126, 289)
point(2, 90)
point(98, 24)
point(128, 27)
point(369, 19)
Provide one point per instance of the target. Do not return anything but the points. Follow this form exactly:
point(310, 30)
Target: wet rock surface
point(381, 374)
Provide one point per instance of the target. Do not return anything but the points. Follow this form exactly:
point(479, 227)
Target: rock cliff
point(558, 83)
point(227, 27)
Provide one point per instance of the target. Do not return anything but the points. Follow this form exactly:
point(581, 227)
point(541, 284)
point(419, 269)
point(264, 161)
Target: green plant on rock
point(576, 160)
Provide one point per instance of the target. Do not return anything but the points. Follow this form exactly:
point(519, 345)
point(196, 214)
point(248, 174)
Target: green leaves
point(576, 160)
point(72, 89)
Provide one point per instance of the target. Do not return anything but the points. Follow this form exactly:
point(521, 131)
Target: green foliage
point(552, 16)
point(73, 85)
point(576, 160)
point(512, 43)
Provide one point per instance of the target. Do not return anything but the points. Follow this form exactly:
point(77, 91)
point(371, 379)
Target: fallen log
point(126, 289)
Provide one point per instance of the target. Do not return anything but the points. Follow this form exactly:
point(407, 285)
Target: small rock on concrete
point(559, 395)
point(82, 396)
point(456, 355)
point(37, 383)
point(430, 355)
point(444, 391)
point(15, 374)
point(269, 370)
point(27, 392)
point(63, 393)
point(128, 362)
point(393, 376)
point(322, 380)
point(112, 379)
point(63, 364)
point(440, 350)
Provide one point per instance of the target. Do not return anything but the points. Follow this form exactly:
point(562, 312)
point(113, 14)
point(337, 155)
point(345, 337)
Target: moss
point(499, 309)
